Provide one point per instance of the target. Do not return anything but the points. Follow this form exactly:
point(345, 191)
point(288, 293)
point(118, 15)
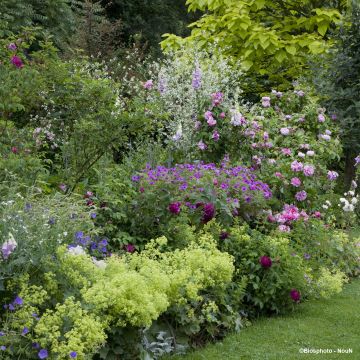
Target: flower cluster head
point(201, 145)
point(357, 160)
point(289, 214)
point(208, 212)
point(295, 295)
point(148, 85)
point(8, 246)
point(16, 303)
point(301, 195)
point(321, 118)
point(196, 80)
point(348, 205)
point(94, 246)
point(278, 94)
point(295, 181)
point(285, 131)
point(175, 208)
point(17, 62)
point(237, 119)
point(217, 98)
point(209, 118)
point(297, 166)
point(299, 93)
point(12, 46)
point(265, 262)
point(309, 170)
point(265, 101)
point(332, 175)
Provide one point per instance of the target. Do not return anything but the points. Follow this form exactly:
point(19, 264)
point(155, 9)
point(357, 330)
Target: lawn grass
point(318, 324)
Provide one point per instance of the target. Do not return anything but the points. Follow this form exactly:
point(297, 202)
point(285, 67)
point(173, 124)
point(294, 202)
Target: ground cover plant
point(148, 207)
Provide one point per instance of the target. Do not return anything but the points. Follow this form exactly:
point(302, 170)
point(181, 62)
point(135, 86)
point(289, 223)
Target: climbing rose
point(321, 118)
point(309, 170)
point(332, 175)
point(265, 101)
point(295, 181)
point(12, 46)
point(301, 195)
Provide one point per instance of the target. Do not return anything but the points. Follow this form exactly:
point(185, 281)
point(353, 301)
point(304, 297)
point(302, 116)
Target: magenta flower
point(332, 175)
point(301, 195)
point(175, 208)
point(222, 115)
point(16, 61)
point(208, 212)
point(309, 170)
point(265, 262)
point(148, 85)
point(295, 181)
point(14, 150)
point(295, 295)
point(130, 248)
point(317, 214)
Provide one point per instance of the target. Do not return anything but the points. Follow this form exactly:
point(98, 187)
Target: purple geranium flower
point(43, 354)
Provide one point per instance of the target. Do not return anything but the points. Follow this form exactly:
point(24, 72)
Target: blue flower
point(18, 301)
point(43, 354)
point(73, 354)
point(3, 347)
point(25, 331)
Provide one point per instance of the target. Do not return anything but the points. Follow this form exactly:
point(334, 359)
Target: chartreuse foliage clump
point(271, 38)
point(71, 306)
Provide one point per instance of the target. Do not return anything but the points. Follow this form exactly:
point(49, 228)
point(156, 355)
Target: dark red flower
point(14, 150)
point(295, 295)
point(265, 262)
point(208, 212)
point(90, 203)
point(175, 208)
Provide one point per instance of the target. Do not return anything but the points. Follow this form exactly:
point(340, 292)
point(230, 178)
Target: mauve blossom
point(217, 98)
point(265, 101)
point(201, 145)
point(162, 86)
point(321, 118)
point(222, 115)
point(301, 195)
point(285, 131)
point(63, 187)
point(209, 118)
point(16, 61)
point(148, 85)
point(328, 132)
point(297, 166)
point(295, 295)
point(288, 117)
point(325, 137)
point(286, 151)
point(310, 153)
point(12, 46)
point(237, 118)
point(284, 228)
point(215, 136)
point(8, 246)
point(266, 136)
point(197, 125)
point(357, 160)
point(265, 262)
point(196, 80)
point(301, 154)
point(332, 175)
point(295, 181)
point(309, 170)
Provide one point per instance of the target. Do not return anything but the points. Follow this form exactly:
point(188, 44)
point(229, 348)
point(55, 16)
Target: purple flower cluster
point(96, 246)
point(18, 302)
